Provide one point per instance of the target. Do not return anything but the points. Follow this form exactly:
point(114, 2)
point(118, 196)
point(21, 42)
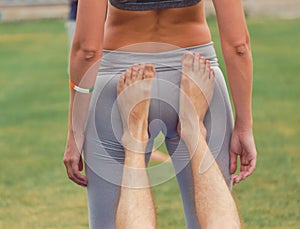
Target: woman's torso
point(181, 27)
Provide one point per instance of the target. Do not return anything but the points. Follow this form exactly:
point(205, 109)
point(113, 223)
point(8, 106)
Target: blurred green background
point(34, 190)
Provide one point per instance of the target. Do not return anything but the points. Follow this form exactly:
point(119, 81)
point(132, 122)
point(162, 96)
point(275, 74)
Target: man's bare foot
point(134, 92)
point(136, 207)
point(197, 87)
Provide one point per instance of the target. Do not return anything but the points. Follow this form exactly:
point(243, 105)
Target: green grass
point(35, 192)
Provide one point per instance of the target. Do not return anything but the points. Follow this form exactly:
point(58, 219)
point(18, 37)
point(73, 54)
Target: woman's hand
point(73, 161)
point(243, 146)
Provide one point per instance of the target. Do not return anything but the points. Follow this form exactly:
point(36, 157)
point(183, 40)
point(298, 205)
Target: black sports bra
point(151, 4)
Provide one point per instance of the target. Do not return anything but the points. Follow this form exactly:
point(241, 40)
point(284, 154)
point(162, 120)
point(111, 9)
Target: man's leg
point(214, 204)
point(136, 208)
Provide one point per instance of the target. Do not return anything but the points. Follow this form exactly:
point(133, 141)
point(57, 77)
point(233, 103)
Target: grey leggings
point(104, 154)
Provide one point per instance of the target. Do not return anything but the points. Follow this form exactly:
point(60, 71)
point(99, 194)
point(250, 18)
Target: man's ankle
point(134, 143)
point(202, 129)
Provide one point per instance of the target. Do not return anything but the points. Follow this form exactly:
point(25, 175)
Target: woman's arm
point(235, 43)
point(86, 51)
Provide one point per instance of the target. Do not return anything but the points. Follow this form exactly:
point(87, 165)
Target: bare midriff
point(169, 28)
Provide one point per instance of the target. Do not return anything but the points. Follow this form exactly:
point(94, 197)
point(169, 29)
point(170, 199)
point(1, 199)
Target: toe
point(202, 65)
point(141, 71)
point(187, 60)
point(135, 67)
point(211, 74)
point(149, 71)
point(196, 62)
point(134, 72)
point(121, 83)
point(128, 76)
point(207, 66)
point(187, 64)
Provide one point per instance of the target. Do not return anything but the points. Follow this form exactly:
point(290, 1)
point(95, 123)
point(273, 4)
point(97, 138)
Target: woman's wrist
point(245, 124)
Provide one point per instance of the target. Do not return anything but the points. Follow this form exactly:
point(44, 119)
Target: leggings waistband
point(116, 60)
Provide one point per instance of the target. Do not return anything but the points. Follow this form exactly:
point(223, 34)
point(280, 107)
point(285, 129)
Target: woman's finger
point(74, 174)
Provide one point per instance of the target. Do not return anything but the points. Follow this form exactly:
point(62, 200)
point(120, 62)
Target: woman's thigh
point(104, 153)
point(219, 123)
